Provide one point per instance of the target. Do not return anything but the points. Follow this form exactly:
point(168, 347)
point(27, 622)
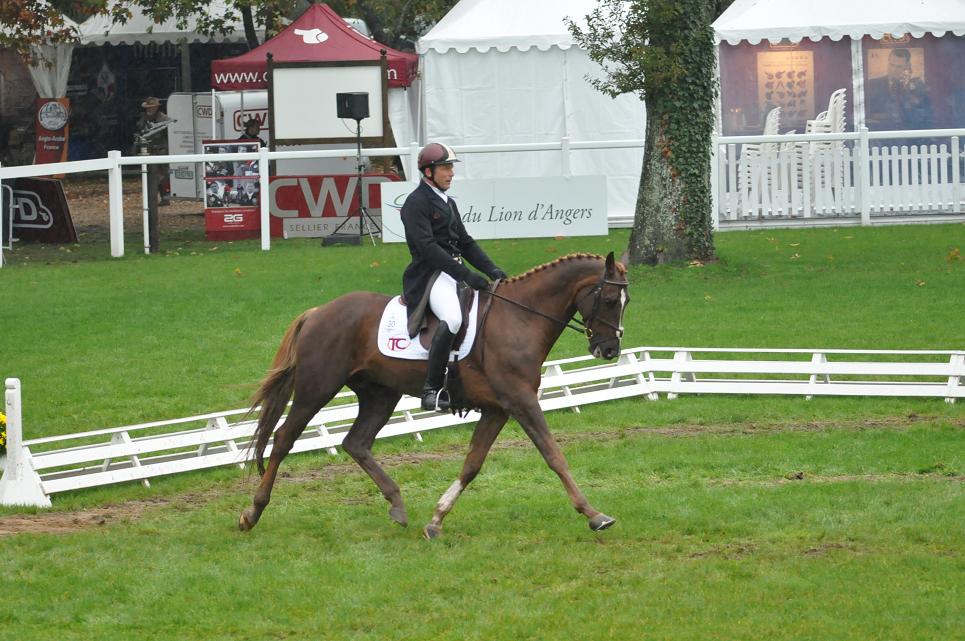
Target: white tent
point(141, 29)
point(774, 20)
point(505, 71)
point(929, 31)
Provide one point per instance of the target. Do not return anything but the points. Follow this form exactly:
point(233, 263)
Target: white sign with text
point(513, 207)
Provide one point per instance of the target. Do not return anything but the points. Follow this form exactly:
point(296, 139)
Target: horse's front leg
point(483, 437)
point(530, 417)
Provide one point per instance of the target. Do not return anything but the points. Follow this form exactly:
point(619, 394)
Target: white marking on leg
point(449, 498)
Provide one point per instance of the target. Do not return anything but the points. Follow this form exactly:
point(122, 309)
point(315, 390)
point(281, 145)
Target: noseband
point(591, 318)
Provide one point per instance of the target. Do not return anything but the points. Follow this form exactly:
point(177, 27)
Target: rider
point(439, 246)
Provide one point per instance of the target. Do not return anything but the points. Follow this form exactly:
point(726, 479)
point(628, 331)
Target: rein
point(576, 324)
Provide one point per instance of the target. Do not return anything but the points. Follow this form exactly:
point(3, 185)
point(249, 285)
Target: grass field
point(738, 517)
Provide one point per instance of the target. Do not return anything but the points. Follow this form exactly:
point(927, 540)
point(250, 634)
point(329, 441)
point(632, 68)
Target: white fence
point(115, 162)
point(37, 468)
point(859, 177)
point(807, 178)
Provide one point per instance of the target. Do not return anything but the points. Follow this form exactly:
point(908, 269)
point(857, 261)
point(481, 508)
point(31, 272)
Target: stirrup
point(436, 399)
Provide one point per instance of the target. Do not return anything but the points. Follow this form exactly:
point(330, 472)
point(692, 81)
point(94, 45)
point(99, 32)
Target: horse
point(334, 345)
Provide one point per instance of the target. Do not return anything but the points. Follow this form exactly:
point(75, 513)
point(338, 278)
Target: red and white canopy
point(320, 35)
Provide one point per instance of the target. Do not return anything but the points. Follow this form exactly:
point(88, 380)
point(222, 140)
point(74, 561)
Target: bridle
point(577, 324)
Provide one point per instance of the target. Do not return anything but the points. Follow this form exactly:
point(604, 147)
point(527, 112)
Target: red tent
point(320, 35)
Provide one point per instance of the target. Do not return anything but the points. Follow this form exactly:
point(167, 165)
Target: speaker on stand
point(354, 105)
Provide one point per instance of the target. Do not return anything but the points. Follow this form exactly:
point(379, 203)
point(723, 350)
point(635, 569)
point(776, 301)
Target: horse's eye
point(611, 303)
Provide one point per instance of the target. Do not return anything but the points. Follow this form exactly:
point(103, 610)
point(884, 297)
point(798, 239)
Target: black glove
point(498, 274)
point(477, 280)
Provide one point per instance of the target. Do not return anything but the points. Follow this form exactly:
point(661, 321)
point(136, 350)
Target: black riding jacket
point(436, 238)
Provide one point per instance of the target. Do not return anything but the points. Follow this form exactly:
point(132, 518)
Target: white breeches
point(444, 302)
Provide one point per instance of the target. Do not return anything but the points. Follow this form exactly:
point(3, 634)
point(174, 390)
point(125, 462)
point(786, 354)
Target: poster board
point(302, 105)
point(785, 79)
point(232, 191)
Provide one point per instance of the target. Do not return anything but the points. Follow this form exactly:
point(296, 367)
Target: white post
point(20, 484)
point(957, 362)
point(565, 157)
point(144, 209)
point(864, 175)
point(956, 188)
point(264, 197)
point(116, 200)
point(413, 164)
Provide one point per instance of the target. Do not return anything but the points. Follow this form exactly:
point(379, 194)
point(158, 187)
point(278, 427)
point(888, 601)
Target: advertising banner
point(231, 194)
point(514, 207)
point(53, 114)
point(313, 206)
point(39, 211)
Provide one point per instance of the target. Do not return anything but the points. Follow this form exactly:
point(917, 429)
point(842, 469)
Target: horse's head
point(602, 306)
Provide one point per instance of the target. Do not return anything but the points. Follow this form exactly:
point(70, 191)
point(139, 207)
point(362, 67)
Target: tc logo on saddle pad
point(394, 338)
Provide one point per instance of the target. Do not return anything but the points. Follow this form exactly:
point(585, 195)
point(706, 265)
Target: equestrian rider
point(440, 247)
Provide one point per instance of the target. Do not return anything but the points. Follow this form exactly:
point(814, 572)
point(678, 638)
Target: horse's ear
point(609, 263)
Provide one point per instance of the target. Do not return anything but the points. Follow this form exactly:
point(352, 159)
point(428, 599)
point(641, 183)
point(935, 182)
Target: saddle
point(430, 321)
point(393, 335)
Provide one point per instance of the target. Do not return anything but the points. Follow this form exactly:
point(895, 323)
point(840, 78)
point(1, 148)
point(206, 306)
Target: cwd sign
point(314, 206)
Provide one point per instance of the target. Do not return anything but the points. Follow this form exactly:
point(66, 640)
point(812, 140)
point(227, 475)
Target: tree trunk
point(655, 238)
point(249, 22)
point(673, 221)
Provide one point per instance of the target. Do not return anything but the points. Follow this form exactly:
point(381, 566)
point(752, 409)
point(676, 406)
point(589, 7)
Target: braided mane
point(554, 263)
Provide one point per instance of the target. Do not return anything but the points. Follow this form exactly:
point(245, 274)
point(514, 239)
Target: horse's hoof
point(247, 520)
point(431, 532)
point(399, 515)
point(601, 522)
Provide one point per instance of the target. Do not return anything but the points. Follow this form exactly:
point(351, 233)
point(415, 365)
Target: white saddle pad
point(394, 338)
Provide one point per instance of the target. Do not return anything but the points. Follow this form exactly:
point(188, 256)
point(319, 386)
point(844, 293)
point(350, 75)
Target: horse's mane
point(554, 263)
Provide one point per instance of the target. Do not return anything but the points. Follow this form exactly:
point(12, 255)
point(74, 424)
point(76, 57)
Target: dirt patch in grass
point(60, 522)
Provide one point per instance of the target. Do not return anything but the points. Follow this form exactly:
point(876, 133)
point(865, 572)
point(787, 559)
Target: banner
point(40, 211)
point(231, 194)
point(313, 206)
point(514, 207)
point(53, 114)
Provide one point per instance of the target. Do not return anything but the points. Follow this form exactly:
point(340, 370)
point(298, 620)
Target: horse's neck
point(554, 290)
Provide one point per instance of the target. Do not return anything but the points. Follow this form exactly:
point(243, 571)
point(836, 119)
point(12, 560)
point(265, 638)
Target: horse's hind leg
point(376, 404)
point(483, 437)
point(299, 416)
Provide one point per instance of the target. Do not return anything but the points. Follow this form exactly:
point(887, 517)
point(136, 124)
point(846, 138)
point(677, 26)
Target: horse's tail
point(275, 391)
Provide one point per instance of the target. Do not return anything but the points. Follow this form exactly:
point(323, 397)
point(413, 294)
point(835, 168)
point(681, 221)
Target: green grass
point(739, 517)
point(101, 343)
point(712, 542)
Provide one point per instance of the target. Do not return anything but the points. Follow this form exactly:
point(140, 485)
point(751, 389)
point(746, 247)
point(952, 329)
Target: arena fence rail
point(37, 468)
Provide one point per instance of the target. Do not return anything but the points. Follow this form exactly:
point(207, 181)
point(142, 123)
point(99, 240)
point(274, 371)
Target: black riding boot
point(438, 357)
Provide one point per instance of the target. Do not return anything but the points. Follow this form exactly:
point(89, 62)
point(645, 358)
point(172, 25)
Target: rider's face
point(442, 175)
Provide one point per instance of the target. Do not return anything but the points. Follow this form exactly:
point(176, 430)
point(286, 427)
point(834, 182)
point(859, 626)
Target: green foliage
point(24, 23)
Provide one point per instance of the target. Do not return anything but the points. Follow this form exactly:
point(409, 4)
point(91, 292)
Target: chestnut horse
point(335, 345)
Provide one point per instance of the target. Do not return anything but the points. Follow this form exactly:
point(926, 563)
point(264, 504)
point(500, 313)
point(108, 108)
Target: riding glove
point(498, 274)
point(476, 280)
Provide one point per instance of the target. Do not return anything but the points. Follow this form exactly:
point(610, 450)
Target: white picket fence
point(38, 468)
point(836, 178)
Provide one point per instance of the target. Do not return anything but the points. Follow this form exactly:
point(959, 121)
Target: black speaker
point(354, 105)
